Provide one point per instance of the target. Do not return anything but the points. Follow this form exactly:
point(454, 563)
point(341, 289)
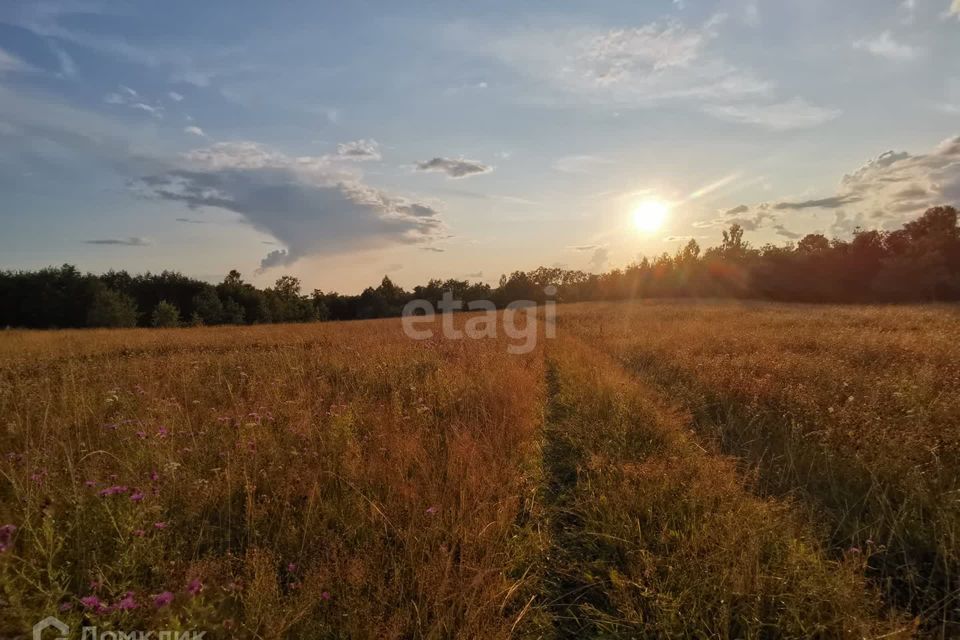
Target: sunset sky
point(339, 142)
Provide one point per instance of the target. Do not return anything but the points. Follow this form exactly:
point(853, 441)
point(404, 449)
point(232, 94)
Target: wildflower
point(66, 606)
point(137, 496)
point(114, 490)
point(154, 476)
point(6, 536)
point(142, 435)
point(128, 603)
point(139, 533)
point(38, 476)
point(195, 587)
point(291, 567)
point(325, 595)
point(162, 432)
point(160, 525)
point(162, 599)
point(92, 603)
point(89, 484)
point(431, 510)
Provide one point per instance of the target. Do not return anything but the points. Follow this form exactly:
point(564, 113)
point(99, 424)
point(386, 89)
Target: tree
point(165, 315)
point(112, 309)
point(208, 307)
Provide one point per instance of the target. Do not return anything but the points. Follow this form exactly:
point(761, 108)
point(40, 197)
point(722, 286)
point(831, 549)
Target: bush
point(165, 315)
point(112, 309)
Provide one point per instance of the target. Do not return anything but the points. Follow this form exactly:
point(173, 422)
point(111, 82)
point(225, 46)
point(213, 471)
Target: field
point(659, 469)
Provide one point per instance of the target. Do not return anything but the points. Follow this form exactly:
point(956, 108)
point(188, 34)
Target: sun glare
point(650, 215)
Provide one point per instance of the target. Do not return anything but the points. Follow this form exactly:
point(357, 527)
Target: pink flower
point(92, 602)
point(325, 595)
point(195, 586)
point(137, 497)
point(292, 567)
point(66, 606)
point(159, 525)
point(114, 490)
point(162, 432)
point(431, 510)
point(128, 603)
point(142, 435)
point(162, 599)
point(90, 483)
point(154, 476)
point(139, 533)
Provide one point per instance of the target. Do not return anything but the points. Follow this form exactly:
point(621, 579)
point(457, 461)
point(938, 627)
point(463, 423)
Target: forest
point(919, 262)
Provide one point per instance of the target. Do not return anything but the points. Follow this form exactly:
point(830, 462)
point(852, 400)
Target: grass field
point(701, 470)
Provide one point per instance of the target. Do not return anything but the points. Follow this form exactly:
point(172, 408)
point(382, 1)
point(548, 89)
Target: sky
point(339, 142)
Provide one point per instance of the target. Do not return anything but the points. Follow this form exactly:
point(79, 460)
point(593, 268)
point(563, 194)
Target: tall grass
point(657, 538)
point(853, 409)
point(307, 481)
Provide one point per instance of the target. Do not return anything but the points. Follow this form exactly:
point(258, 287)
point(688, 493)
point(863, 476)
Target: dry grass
point(852, 409)
point(318, 481)
point(659, 470)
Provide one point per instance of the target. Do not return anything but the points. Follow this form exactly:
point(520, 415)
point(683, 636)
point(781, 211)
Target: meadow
point(658, 470)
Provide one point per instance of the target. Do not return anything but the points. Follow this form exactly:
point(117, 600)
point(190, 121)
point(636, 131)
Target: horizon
point(338, 144)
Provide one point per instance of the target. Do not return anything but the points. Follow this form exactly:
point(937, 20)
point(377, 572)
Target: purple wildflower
point(162, 599)
point(114, 490)
point(137, 496)
point(128, 603)
point(195, 586)
point(325, 595)
point(92, 602)
point(159, 525)
point(431, 510)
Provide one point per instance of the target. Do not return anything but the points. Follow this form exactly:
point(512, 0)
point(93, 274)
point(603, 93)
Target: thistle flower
point(162, 599)
point(128, 603)
point(325, 595)
point(114, 490)
point(159, 525)
point(137, 496)
point(195, 587)
point(92, 603)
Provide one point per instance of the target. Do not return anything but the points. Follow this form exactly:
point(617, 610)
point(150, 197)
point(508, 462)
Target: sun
point(650, 215)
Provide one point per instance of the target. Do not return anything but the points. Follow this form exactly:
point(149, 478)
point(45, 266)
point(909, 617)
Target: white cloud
point(600, 258)
point(309, 204)
point(640, 66)
point(12, 64)
point(454, 168)
point(130, 98)
point(196, 131)
point(885, 46)
point(176, 97)
point(68, 68)
point(779, 116)
point(359, 150)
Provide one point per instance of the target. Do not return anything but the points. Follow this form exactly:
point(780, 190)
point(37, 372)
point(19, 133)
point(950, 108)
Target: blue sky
point(341, 141)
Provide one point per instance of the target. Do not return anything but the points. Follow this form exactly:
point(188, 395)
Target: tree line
point(918, 263)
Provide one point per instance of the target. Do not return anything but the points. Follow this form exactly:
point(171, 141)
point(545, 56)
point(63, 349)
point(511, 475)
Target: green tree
point(111, 308)
point(165, 315)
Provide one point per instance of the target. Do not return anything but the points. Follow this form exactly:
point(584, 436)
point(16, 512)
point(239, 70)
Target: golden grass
point(853, 409)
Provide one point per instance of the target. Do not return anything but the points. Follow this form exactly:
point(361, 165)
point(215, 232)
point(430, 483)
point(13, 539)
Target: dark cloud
point(833, 202)
point(786, 233)
point(454, 168)
point(307, 204)
point(737, 210)
point(192, 221)
point(126, 242)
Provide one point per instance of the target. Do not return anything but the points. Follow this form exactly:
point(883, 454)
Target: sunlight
point(650, 215)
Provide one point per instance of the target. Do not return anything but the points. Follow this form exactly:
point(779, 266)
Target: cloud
point(640, 66)
point(475, 274)
point(176, 97)
point(192, 221)
point(126, 242)
point(580, 164)
point(885, 46)
point(736, 210)
point(844, 225)
point(12, 64)
point(68, 68)
point(779, 116)
point(128, 97)
point(359, 150)
point(309, 204)
point(196, 131)
point(454, 168)
point(433, 249)
point(786, 233)
point(584, 247)
point(600, 258)
point(681, 238)
point(823, 203)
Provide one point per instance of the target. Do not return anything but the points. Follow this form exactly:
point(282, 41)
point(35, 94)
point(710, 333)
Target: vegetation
point(918, 263)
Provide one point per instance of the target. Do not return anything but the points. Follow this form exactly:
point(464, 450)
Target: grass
point(658, 470)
